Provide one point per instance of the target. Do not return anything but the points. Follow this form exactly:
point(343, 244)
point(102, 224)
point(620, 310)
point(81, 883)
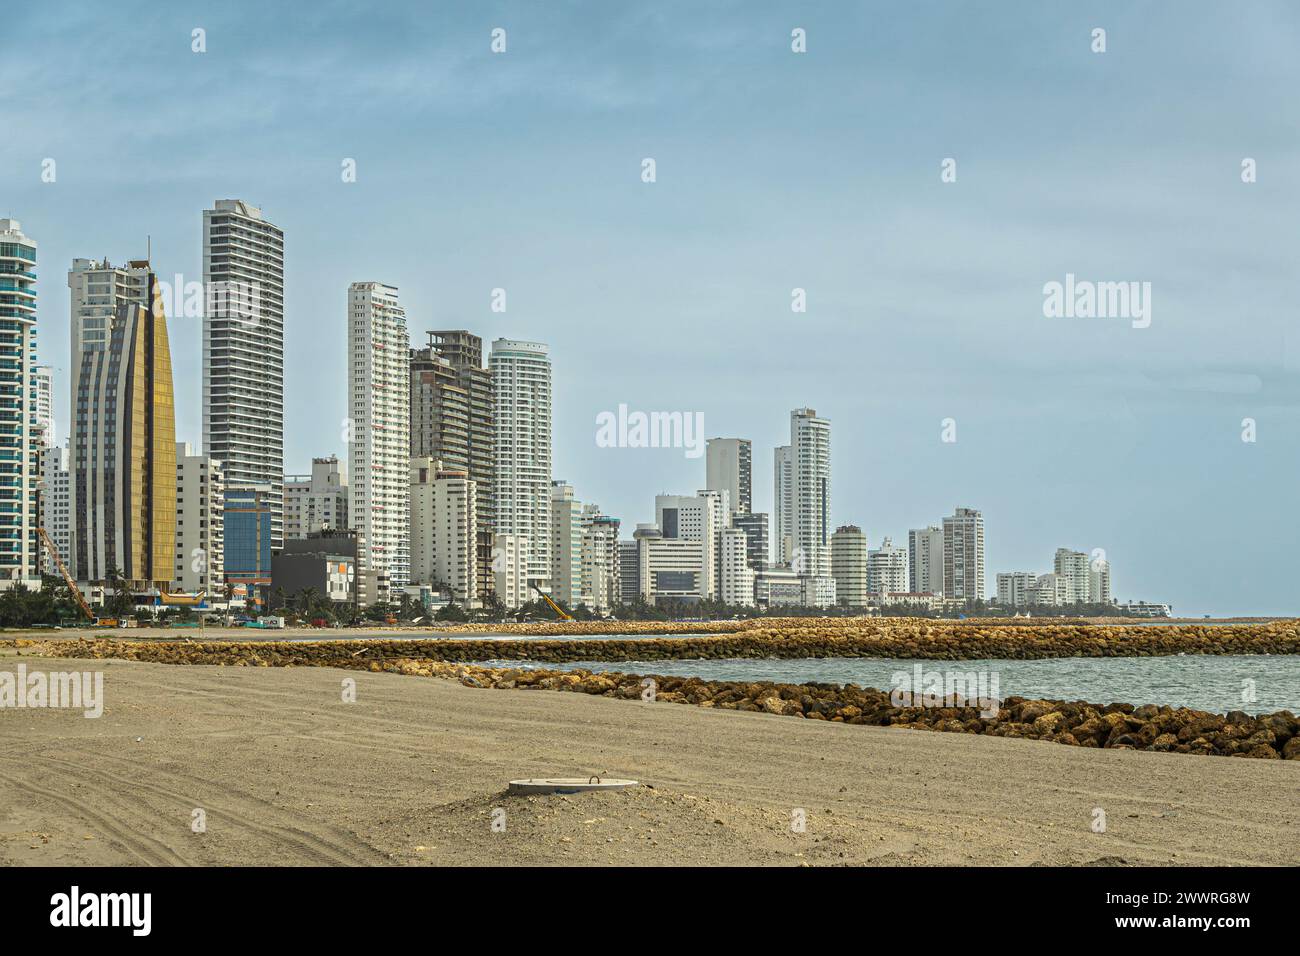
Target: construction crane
point(72, 585)
point(564, 616)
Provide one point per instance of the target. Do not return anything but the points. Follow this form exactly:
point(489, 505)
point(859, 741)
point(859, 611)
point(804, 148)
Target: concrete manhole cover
point(568, 784)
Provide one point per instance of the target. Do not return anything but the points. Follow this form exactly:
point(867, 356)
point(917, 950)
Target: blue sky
point(775, 171)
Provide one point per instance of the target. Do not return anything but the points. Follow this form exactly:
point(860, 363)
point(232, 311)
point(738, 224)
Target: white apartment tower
point(566, 545)
point(1072, 566)
point(925, 560)
point(601, 570)
point(849, 565)
point(200, 522)
point(729, 467)
point(45, 405)
point(736, 585)
point(810, 443)
point(243, 350)
point(510, 569)
point(56, 506)
point(963, 555)
point(521, 386)
point(316, 502)
point(444, 525)
point(783, 504)
point(379, 403)
point(887, 569)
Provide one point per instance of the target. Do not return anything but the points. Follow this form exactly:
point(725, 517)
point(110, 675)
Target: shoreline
point(818, 638)
point(1112, 726)
point(412, 773)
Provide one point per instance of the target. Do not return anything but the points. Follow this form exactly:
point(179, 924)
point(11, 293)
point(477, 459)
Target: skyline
point(1076, 433)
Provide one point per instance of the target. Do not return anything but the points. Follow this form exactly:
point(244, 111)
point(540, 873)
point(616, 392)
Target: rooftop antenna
point(148, 248)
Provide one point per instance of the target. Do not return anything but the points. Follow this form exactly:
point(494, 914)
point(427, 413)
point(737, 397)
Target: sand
point(288, 773)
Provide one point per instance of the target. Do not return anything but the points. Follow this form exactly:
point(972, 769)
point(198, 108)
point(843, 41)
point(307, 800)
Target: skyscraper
point(521, 385)
point(56, 511)
point(98, 291)
point(963, 555)
point(243, 351)
point(200, 522)
point(379, 394)
point(124, 449)
point(925, 560)
point(45, 405)
point(729, 465)
point(452, 421)
point(566, 545)
point(20, 436)
point(810, 443)
point(783, 504)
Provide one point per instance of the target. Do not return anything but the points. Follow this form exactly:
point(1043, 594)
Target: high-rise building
point(510, 570)
point(521, 385)
point(444, 529)
point(963, 555)
point(729, 467)
point(56, 506)
point(783, 505)
point(124, 449)
point(601, 570)
point(566, 545)
point(247, 516)
point(452, 421)
point(1072, 566)
point(887, 569)
point(200, 522)
point(379, 398)
point(243, 351)
point(849, 565)
point(754, 524)
point(736, 586)
point(925, 560)
point(21, 436)
point(810, 442)
point(1099, 591)
point(45, 405)
point(629, 571)
point(318, 501)
point(98, 290)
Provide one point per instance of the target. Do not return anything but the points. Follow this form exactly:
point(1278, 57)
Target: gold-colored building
point(125, 461)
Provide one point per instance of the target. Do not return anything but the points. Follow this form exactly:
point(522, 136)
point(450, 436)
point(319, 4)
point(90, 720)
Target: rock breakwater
point(1121, 726)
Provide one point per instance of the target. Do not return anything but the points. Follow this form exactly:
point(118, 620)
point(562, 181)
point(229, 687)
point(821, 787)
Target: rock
point(1164, 742)
point(1046, 724)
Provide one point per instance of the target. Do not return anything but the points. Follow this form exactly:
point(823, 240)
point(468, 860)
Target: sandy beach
point(288, 773)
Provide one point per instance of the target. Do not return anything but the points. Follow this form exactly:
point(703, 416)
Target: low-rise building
point(324, 562)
